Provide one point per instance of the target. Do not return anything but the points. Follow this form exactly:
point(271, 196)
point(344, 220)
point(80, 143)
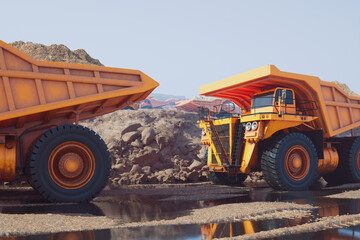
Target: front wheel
point(69, 164)
point(290, 162)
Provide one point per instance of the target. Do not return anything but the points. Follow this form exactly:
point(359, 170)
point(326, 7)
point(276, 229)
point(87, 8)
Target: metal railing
point(218, 112)
point(304, 107)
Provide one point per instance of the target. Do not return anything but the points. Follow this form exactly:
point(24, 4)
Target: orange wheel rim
point(358, 160)
point(71, 165)
point(297, 162)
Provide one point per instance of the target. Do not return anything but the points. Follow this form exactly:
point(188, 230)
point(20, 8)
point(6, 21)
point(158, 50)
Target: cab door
point(285, 101)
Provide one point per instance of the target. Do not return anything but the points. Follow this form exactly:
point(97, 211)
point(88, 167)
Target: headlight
point(203, 132)
point(248, 126)
point(254, 126)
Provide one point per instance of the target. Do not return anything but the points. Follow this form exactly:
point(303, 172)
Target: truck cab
point(288, 129)
point(278, 100)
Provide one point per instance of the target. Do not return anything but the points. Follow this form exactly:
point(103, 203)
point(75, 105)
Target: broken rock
point(195, 165)
point(135, 169)
point(130, 136)
point(147, 159)
point(146, 170)
point(147, 135)
point(131, 128)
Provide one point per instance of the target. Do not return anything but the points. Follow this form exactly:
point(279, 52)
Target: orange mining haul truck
point(39, 104)
point(286, 129)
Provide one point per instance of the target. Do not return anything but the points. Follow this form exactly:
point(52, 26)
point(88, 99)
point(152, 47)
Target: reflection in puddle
point(193, 232)
point(327, 207)
point(344, 233)
point(126, 208)
point(233, 229)
point(84, 235)
point(349, 233)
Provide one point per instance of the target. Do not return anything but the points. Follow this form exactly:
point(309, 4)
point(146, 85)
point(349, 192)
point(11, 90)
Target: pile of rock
point(55, 53)
point(346, 88)
point(152, 146)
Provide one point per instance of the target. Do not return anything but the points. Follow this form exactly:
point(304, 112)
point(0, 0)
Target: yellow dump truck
point(41, 104)
point(287, 129)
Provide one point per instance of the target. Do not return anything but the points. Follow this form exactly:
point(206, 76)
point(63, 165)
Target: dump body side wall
point(36, 96)
point(30, 87)
point(342, 110)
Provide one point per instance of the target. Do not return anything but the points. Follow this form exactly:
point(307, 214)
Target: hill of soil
point(55, 53)
point(152, 145)
point(346, 88)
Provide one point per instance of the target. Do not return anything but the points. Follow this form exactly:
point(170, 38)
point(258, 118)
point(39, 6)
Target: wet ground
point(152, 203)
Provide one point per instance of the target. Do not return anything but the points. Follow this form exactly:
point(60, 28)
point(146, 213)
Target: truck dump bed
point(337, 112)
point(34, 91)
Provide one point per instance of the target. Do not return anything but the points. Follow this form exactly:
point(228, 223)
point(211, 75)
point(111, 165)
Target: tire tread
point(33, 155)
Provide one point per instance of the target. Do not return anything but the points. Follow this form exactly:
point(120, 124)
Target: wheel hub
point(297, 162)
point(71, 165)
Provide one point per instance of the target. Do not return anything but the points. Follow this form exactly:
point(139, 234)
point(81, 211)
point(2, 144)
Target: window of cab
point(287, 94)
point(268, 101)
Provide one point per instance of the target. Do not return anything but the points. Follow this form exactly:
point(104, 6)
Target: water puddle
point(84, 235)
point(349, 233)
point(125, 205)
point(193, 232)
point(154, 204)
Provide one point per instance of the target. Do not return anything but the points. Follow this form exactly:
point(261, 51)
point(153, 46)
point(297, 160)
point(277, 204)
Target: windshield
point(263, 100)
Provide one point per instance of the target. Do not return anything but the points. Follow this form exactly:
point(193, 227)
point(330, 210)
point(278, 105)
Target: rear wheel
point(348, 170)
point(69, 164)
point(290, 162)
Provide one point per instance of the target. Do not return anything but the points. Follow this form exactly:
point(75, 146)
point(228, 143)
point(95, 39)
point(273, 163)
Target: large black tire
point(283, 174)
point(69, 163)
point(348, 171)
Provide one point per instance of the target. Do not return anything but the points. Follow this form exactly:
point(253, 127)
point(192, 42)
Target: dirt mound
point(346, 88)
point(152, 145)
point(55, 53)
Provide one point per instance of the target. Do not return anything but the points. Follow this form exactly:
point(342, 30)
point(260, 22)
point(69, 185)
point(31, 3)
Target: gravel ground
point(30, 224)
point(348, 194)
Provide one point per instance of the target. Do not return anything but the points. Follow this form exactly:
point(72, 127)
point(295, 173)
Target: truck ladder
point(236, 151)
point(217, 143)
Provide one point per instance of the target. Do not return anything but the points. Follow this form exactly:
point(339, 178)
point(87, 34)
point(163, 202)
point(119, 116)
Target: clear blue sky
point(187, 43)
